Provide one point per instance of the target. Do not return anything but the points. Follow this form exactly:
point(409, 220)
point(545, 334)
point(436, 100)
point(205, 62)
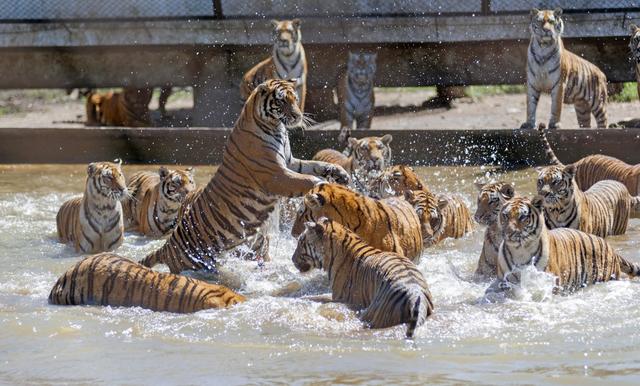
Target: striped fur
point(491, 197)
point(154, 204)
point(634, 47)
point(128, 108)
point(287, 61)
point(93, 223)
point(567, 77)
point(356, 98)
point(577, 259)
point(387, 287)
point(390, 224)
point(394, 181)
point(603, 210)
point(257, 168)
point(110, 280)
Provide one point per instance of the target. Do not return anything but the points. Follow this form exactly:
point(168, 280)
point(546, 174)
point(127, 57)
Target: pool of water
point(281, 335)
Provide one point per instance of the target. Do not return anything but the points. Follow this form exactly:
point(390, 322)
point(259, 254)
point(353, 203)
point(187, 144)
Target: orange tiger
point(110, 280)
point(394, 181)
point(93, 223)
point(128, 108)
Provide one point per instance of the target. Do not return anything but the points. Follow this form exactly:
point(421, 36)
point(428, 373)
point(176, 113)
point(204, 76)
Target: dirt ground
point(396, 109)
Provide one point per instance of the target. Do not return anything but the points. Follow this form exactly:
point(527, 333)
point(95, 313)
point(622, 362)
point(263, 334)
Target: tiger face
point(634, 44)
point(361, 67)
point(521, 219)
point(176, 184)
point(371, 154)
point(491, 197)
point(429, 209)
point(396, 180)
point(286, 35)
point(546, 26)
point(107, 179)
point(310, 250)
point(277, 101)
point(555, 184)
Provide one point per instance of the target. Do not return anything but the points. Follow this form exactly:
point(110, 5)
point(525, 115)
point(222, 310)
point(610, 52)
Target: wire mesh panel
point(526, 5)
point(103, 9)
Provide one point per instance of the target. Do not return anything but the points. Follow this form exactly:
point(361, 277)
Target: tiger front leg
point(533, 96)
point(290, 184)
point(557, 98)
point(346, 123)
point(321, 169)
point(364, 121)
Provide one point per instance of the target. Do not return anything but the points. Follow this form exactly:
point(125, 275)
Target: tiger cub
point(154, 204)
point(363, 157)
point(93, 223)
point(577, 259)
point(356, 99)
point(128, 108)
point(491, 197)
point(387, 287)
point(569, 78)
point(603, 210)
point(287, 61)
point(107, 279)
point(634, 46)
point(390, 224)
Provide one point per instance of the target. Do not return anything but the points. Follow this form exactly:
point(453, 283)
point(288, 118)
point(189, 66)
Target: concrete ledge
point(507, 148)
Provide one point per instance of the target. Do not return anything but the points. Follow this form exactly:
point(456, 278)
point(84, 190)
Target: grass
point(629, 93)
point(500, 89)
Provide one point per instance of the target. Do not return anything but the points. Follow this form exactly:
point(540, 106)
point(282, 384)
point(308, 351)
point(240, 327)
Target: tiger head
point(107, 179)
point(394, 181)
point(309, 252)
point(556, 185)
point(176, 184)
point(286, 35)
point(276, 101)
point(320, 202)
point(491, 197)
point(546, 26)
point(371, 154)
point(429, 209)
point(634, 44)
point(521, 219)
point(361, 67)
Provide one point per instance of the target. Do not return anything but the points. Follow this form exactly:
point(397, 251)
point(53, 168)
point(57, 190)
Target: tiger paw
point(528, 125)
point(336, 173)
point(554, 126)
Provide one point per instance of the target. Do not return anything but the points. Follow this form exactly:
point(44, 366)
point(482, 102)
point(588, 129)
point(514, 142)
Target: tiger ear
point(296, 23)
point(539, 169)
point(557, 12)
point(409, 195)
point(633, 29)
point(262, 88)
point(537, 202)
point(507, 191)
point(191, 171)
point(534, 12)
point(387, 138)
point(295, 81)
point(118, 162)
point(479, 185)
point(93, 166)
point(274, 23)
point(442, 203)
point(163, 172)
point(570, 170)
point(353, 142)
point(314, 201)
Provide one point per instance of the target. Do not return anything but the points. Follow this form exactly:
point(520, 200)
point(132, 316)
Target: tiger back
point(356, 99)
point(129, 108)
point(107, 279)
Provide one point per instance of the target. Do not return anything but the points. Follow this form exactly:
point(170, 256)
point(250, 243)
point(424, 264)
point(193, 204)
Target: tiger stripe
point(356, 99)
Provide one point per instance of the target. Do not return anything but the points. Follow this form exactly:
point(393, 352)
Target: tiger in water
point(93, 223)
point(129, 108)
point(356, 99)
point(387, 287)
point(287, 61)
point(568, 77)
point(257, 168)
point(107, 279)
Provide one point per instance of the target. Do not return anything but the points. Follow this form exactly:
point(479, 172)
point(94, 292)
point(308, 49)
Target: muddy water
point(585, 338)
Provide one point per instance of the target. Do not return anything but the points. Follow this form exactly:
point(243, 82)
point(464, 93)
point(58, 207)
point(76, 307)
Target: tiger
point(598, 167)
point(257, 168)
point(387, 287)
point(390, 224)
point(356, 99)
point(93, 223)
point(287, 61)
point(491, 197)
point(107, 279)
point(569, 78)
point(634, 46)
point(394, 181)
point(128, 108)
point(440, 216)
point(603, 210)
point(575, 258)
point(155, 200)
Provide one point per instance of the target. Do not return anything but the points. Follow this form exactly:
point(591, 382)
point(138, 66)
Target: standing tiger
point(577, 259)
point(287, 61)
point(257, 168)
point(155, 200)
point(386, 286)
point(93, 222)
point(110, 280)
point(569, 78)
point(634, 46)
point(128, 108)
point(356, 99)
point(491, 197)
point(390, 224)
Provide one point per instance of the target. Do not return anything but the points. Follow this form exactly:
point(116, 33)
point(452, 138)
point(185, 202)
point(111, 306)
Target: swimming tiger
point(107, 279)
point(634, 46)
point(356, 99)
point(598, 167)
point(603, 210)
point(93, 223)
point(440, 216)
point(491, 197)
point(128, 108)
point(390, 224)
point(257, 168)
point(576, 258)
point(568, 77)
point(387, 287)
point(287, 61)
point(394, 181)
point(153, 206)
